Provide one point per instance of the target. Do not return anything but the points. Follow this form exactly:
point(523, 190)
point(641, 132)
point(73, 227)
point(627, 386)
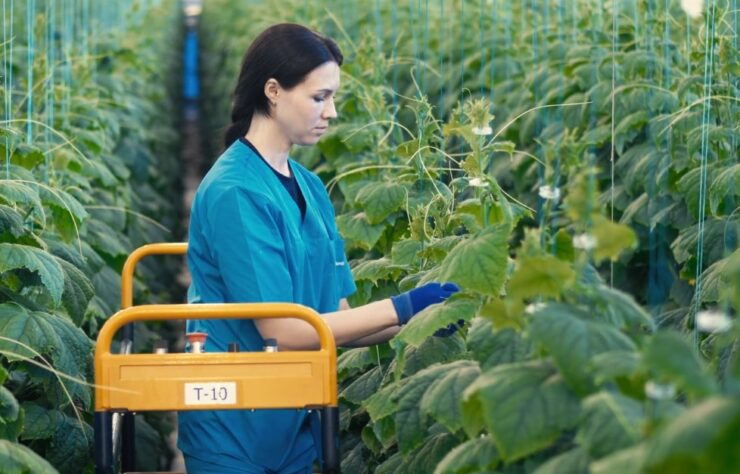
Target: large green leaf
point(574, 461)
point(78, 291)
point(425, 458)
point(573, 339)
point(479, 263)
point(384, 402)
point(437, 316)
point(494, 348)
point(50, 335)
point(358, 231)
point(409, 418)
point(524, 406)
point(18, 459)
point(442, 399)
point(618, 308)
point(431, 351)
point(10, 221)
point(14, 192)
point(611, 238)
point(363, 387)
point(726, 183)
point(67, 213)
point(625, 461)
point(670, 355)
point(703, 439)
point(14, 257)
point(610, 422)
point(374, 270)
point(379, 199)
point(353, 360)
point(404, 252)
point(475, 455)
point(543, 275)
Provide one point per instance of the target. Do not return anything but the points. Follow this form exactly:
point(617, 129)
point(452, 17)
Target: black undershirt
point(289, 182)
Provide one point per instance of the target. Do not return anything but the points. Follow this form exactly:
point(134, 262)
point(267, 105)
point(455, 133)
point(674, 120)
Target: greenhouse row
point(370, 236)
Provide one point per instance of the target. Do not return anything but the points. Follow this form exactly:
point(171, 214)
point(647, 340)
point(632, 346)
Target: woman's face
point(304, 111)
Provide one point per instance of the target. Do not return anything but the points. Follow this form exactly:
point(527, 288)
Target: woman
point(262, 230)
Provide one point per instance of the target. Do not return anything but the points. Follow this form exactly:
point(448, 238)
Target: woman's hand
point(413, 301)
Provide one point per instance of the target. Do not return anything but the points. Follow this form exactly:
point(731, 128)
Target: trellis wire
point(706, 115)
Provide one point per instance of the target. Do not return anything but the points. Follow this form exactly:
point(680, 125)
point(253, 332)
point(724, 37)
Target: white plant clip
point(477, 183)
point(482, 130)
point(693, 8)
point(584, 241)
point(713, 321)
point(549, 192)
point(659, 391)
point(533, 307)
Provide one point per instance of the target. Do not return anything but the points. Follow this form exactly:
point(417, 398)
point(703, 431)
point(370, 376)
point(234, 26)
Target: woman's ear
point(272, 89)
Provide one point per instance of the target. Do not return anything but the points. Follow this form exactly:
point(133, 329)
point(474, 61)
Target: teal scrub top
point(249, 243)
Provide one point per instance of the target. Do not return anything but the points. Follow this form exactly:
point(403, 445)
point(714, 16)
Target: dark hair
point(287, 53)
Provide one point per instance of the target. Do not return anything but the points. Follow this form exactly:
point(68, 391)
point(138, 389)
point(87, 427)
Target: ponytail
point(236, 130)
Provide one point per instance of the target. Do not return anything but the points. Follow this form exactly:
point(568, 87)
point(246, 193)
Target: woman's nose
point(330, 111)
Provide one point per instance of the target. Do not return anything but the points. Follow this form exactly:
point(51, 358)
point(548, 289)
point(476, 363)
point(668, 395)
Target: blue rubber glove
point(411, 302)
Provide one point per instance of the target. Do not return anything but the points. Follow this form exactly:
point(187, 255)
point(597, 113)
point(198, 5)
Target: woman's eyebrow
point(330, 91)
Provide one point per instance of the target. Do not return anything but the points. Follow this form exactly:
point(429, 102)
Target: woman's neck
point(272, 144)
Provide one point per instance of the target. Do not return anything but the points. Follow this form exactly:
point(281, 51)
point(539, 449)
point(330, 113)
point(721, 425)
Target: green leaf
point(525, 406)
point(18, 459)
point(619, 308)
point(726, 183)
point(625, 461)
point(379, 199)
point(78, 291)
point(10, 221)
point(442, 399)
point(409, 419)
point(13, 192)
point(433, 350)
point(107, 241)
point(48, 334)
point(363, 387)
point(426, 457)
point(670, 355)
point(404, 252)
point(611, 238)
point(574, 461)
point(479, 263)
point(39, 422)
point(437, 316)
point(384, 402)
point(8, 406)
point(475, 455)
point(354, 461)
point(495, 348)
point(573, 339)
point(357, 230)
point(390, 465)
point(612, 364)
point(703, 439)
point(543, 275)
point(374, 270)
point(610, 422)
point(353, 360)
point(14, 256)
point(67, 212)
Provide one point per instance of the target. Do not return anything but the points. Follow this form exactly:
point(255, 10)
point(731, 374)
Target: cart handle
point(213, 311)
point(127, 274)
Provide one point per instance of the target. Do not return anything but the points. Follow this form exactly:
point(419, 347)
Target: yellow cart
point(128, 383)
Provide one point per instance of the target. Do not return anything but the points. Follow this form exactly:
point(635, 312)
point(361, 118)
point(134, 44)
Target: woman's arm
point(347, 326)
point(378, 338)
